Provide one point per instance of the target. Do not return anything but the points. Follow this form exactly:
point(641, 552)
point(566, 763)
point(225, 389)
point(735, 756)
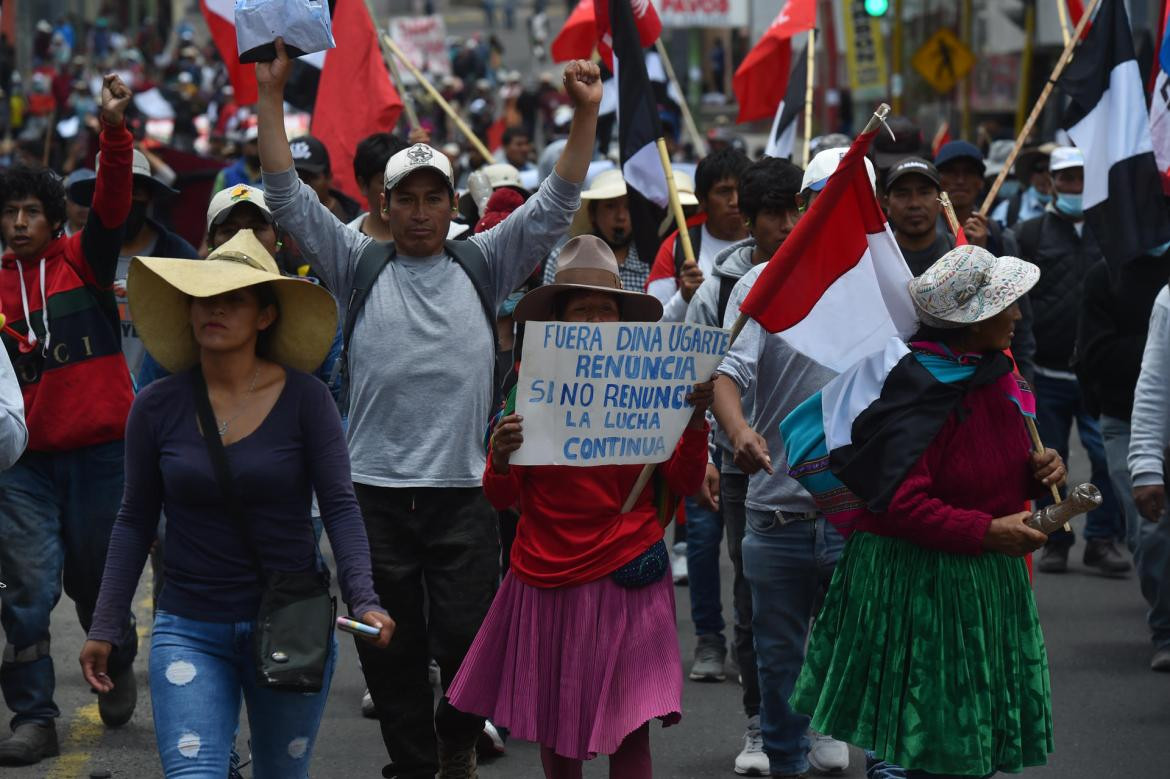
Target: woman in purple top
point(253, 335)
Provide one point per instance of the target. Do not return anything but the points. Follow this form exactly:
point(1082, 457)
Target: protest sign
point(703, 13)
point(423, 39)
point(610, 393)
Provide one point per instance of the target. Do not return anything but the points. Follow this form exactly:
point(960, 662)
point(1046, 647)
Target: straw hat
point(607, 185)
point(587, 263)
point(158, 289)
point(969, 284)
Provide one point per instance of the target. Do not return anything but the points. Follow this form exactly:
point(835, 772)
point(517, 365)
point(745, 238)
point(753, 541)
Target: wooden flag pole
point(878, 117)
point(688, 118)
point(949, 213)
point(810, 66)
point(472, 138)
point(1062, 12)
point(1065, 57)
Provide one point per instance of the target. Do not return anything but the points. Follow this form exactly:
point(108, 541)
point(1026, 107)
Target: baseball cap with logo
point(411, 160)
point(227, 199)
point(816, 175)
point(912, 166)
point(309, 154)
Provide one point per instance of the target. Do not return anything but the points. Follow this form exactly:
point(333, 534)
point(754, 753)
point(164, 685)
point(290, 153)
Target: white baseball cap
point(816, 175)
point(502, 174)
point(416, 158)
point(1064, 157)
point(227, 199)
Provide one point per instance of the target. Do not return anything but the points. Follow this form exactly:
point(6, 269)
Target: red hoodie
point(76, 385)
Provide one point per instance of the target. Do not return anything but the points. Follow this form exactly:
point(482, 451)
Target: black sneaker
point(1103, 554)
point(116, 707)
point(30, 743)
point(1054, 559)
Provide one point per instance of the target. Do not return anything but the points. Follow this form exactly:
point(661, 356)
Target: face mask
point(509, 304)
point(135, 219)
point(1041, 198)
point(1070, 205)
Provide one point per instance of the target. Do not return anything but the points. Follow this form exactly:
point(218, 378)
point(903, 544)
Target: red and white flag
point(221, 21)
point(836, 289)
point(645, 19)
point(761, 80)
point(578, 37)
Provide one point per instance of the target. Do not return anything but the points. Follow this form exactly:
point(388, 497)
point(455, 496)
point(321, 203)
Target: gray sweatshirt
point(775, 378)
point(421, 359)
point(731, 263)
point(1150, 422)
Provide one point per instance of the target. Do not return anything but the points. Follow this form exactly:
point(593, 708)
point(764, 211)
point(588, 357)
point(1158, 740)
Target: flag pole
point(810, 65)
point(472, 138)
point(688, 118)
point(1062, 11)
point(1065, 57)
point(879, 116)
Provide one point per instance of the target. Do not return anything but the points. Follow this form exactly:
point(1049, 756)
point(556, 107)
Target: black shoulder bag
point(294, 627)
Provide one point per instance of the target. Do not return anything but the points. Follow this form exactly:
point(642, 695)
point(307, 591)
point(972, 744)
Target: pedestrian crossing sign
point(943, 60)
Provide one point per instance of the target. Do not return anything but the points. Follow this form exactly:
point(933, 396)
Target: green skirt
point(935, 661)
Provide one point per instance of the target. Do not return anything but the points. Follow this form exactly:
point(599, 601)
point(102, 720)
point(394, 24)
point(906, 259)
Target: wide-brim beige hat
point(159, 291)
point(969, 284)
point(607, 185)
point(587, 263)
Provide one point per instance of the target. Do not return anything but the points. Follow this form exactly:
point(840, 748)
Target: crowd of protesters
point(158, 405)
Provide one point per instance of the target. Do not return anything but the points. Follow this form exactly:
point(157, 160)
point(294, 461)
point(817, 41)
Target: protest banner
point(424, 41)
point(610, 393)
point(703, 13)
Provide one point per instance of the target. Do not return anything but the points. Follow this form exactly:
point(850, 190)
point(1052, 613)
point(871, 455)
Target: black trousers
point(435, 554)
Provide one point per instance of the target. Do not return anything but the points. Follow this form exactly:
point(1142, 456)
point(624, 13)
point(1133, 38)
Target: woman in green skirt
point(928, 650)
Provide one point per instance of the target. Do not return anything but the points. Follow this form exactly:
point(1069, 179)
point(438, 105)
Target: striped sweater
point(76, 385)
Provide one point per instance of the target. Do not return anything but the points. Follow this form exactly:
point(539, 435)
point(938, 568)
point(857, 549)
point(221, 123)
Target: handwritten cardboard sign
point(612, 393)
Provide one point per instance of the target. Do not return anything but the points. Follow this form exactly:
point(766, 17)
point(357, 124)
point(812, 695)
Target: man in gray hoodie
point(767, 199)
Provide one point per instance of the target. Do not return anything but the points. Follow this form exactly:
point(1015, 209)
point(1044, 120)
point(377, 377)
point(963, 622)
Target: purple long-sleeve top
point(212, 572)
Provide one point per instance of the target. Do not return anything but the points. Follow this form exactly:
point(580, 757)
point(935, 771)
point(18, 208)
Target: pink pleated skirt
point(576, 669)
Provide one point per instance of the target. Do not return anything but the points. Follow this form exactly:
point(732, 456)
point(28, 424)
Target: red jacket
point(571, 530)
point(77, 389)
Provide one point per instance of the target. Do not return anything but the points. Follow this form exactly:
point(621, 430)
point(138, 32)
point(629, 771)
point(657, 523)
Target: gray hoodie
point(731, 263)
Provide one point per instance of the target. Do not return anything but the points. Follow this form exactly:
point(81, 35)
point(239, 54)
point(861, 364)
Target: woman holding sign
point(579, 651)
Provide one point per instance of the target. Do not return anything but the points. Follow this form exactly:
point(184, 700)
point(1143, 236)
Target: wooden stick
point(472, 138)
point(1061, 63)
point(949, 213)
point(1062, 12)
point(688, 118)
point(810, 66)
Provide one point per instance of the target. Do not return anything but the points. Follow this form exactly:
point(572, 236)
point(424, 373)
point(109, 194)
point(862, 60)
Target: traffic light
point(877, 7)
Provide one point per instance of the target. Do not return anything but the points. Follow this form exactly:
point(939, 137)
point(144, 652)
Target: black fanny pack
point(294, 626)
point(645, 569)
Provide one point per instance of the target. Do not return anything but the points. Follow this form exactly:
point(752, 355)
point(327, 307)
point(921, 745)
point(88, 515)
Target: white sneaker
point(828, 755)
point(678, 564)
point(751, 760)
point(369, 711)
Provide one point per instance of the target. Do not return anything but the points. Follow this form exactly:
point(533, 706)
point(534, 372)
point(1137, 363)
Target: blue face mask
point(1070, 205)
point(1040, 197)
point(509, 304)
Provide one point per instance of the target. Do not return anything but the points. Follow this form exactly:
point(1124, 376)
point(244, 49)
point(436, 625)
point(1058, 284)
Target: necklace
point(223, 426)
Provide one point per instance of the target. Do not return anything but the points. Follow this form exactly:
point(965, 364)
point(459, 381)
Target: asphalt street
point(1112, 713)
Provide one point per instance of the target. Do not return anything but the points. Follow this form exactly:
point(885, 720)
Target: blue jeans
point(880, 769)
point(704, 532)
point(56, 513)
point(788, 567)
point(199, 671)
point(1148, 541)
point(1058, 405)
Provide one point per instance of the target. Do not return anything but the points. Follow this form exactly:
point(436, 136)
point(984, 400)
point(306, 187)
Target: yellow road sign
point(943, 60)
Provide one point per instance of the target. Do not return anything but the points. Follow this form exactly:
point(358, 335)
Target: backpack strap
point(371, 261)
point(471, 259)
point(1014, 205)
point(696, 234)
point(726, 285)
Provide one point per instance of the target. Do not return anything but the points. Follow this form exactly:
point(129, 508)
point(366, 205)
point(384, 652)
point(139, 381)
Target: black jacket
point(1115, 316)
point(1052, 243)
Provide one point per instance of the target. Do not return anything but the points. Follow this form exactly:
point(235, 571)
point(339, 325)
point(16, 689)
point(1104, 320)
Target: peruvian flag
point(221, 21)
point(836, 289)
point(578, 37)
point(646, 21)
point(762, 78)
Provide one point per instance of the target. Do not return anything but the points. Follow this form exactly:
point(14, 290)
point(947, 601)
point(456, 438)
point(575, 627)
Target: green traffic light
point(877, 7)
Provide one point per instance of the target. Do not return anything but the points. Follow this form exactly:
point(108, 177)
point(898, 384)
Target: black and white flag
point(782, 139)
point(1108, 121)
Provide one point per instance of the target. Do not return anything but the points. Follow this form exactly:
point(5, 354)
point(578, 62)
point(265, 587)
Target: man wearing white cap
point(421, 371)
point(1058, 242)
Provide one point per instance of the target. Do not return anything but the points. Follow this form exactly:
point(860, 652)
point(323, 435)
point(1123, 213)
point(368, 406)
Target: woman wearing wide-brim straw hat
point(233, 327)
point(928, 649)
point(579, 650)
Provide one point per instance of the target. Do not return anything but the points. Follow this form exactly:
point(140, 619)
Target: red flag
point(941, 138)
point(578, 37)
point(221, 21)
point(836, 289)
point(355, 96)
point(762, 78)
point(645, 19)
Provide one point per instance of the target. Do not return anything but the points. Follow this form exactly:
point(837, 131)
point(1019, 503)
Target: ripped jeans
point(199, 671)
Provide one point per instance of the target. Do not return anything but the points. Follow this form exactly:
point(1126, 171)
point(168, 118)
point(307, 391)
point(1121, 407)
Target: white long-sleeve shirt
point(1150, 422)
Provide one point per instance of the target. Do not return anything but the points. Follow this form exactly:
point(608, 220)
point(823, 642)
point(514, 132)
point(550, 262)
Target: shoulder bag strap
point(215, 450)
